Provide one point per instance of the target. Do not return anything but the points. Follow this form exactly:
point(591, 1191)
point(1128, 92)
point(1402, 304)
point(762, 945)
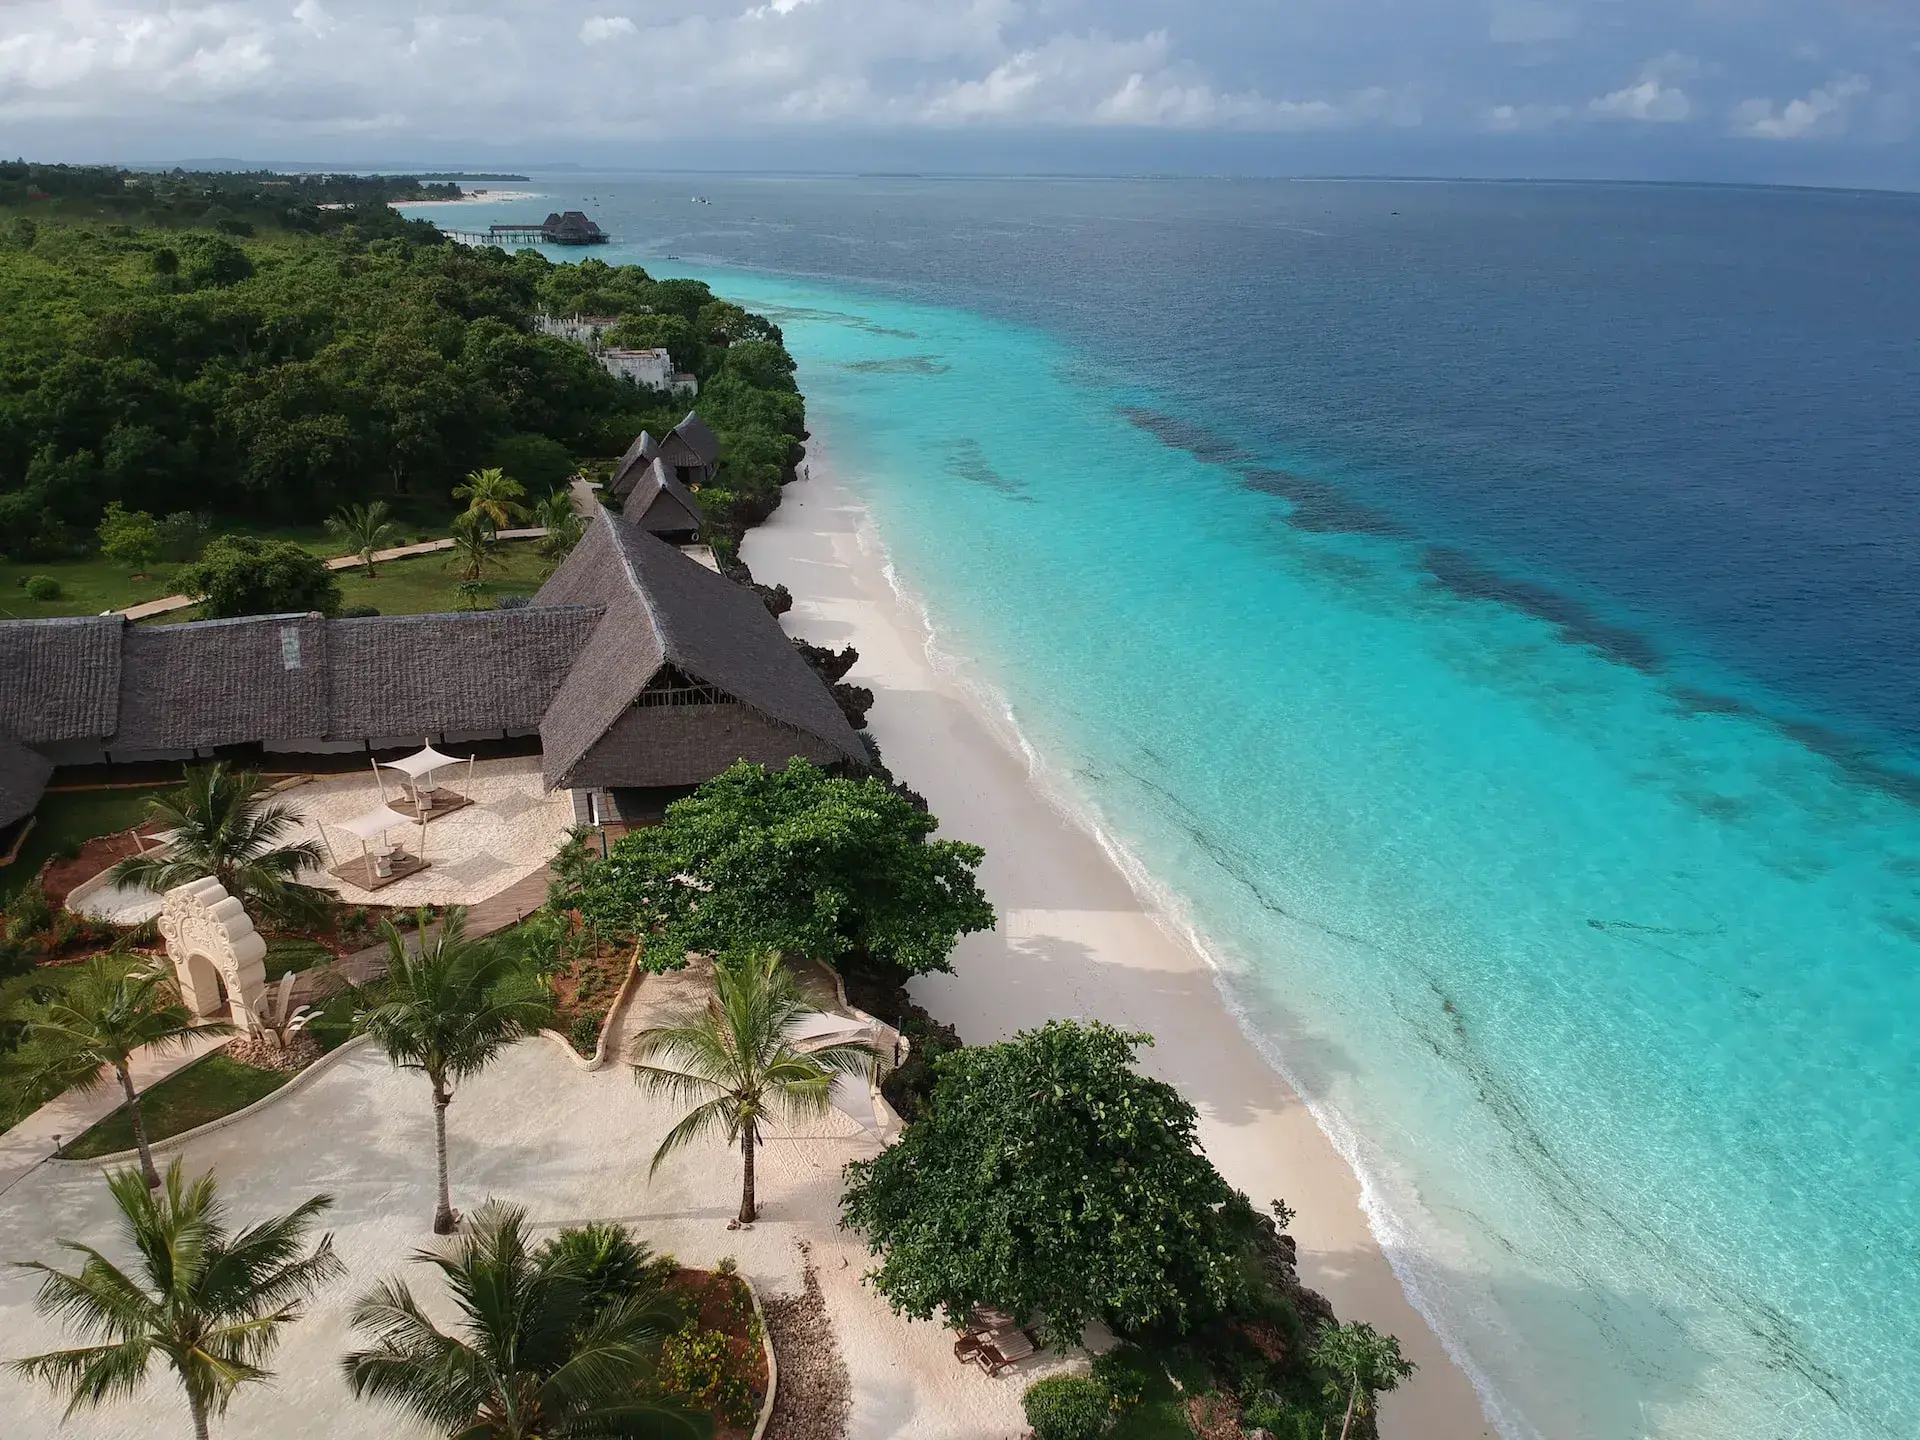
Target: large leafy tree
point(736, 1062)
point(225, 824)
point(1361, 1364)
point(448, 1006)
point(541, 1351)
point(792, 860)
point(209, 1301)
point(1051, 1178)
point(96, 1026)
point(241, 575)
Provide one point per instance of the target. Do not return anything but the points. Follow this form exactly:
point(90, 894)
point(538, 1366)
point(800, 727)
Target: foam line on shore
point(1397, 1241)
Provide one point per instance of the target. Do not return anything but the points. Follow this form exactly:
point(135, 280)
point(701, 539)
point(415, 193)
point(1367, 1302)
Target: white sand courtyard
point(535, 1130)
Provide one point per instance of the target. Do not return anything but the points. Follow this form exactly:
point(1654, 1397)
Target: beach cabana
point(420, 767)
point(377, 868)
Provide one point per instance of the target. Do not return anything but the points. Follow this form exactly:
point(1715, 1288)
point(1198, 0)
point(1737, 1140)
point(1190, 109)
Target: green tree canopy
point(241, 575)
point(128, 537)
point(790, 860)
point(1049, 1178)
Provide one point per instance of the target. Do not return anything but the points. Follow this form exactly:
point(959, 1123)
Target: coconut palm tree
point(100, 1021)
point(363, 529)
point(1362, 1364)
point(448, 1006)
point(533, 1353)
point(475, 547)
point(208, 1301)
point(737, 1059)
point(493, 494)
point(564, 525)
point(225, 825)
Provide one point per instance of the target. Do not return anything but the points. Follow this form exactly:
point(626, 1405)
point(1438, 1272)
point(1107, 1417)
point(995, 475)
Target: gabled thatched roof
point(59, 679)
point(632, 465)
point(662, 608)
point(691, 443)
point(222, 682)
point(660, 505)
point(23, 778)
point(426, 674)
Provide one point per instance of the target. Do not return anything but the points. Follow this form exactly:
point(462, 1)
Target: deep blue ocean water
point(1487, 611)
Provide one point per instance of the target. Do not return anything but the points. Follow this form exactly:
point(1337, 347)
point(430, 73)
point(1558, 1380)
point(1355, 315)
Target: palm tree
point(225, 826)
point(737, 1058)
point(474, 547)
point(533, 1354)
point(493, 494)
point(363, 529)
point(210, 1302)
point(564, 525)
point(102, 1019)
point(447, 1007)
point(1363, 1364)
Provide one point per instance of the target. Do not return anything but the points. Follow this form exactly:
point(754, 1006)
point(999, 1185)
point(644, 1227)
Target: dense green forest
point(271, 379)
point(236, 202)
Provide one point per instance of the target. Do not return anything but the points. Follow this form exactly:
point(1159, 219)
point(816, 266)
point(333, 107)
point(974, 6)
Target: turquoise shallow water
point(1607, 988)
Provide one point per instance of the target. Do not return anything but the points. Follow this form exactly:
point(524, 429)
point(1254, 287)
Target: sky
point(1809, 91)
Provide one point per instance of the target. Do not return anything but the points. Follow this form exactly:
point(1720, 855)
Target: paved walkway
point(72, 1114)
point(166, 606)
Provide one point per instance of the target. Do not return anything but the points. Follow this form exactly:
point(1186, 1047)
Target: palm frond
point(718, 1114)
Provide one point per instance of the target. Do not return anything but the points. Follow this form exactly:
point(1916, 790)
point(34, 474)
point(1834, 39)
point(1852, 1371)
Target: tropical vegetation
point(1051, 1179)
point(548, 1345)
point(364, 529)
point(209, 1301)
point(96, 1025)
point(448, 1005)
point(226, 825)
point(1361, 1364)
point(244, 575)
point(737, 1062)
point(793, 860)
point(493, 498)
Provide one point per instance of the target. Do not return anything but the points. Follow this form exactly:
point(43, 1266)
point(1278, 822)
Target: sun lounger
point(997, 1352)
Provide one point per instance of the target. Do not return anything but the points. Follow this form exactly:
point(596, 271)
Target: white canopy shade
point(853, 1097)
point(374, 823)
point(424, 762)
point(814, 1025)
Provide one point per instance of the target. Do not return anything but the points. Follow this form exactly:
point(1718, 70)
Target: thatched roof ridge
point(61, 678)
point(23, 779)
point(691, 443)
point(663, 608)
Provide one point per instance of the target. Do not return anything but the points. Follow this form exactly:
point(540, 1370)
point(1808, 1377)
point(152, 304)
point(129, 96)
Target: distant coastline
point(478, 197)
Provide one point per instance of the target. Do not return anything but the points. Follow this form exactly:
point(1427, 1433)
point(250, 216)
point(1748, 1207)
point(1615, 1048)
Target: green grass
point(426, 584)
point(18, 1095)
point(205, 1090)
point(287, 954)
point(73, 818)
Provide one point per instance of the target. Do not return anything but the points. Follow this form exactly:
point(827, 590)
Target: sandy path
point(1074, 940)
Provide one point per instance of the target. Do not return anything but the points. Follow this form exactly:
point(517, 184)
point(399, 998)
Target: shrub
point(585, 1031)
point(614, 1265)
point(41, 587)
point(1282, 1419)
point(698, 1366)
point(1067, 1407)
point(1124, 1373)
point(29, 913)
point(359, 612)
point(512, 602)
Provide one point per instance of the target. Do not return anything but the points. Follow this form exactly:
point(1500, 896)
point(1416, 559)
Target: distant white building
point(584, 330)
point(650, 369)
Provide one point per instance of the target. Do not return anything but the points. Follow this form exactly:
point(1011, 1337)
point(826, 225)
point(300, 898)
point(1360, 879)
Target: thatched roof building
point(691, 451)
point(640, 454)
point(635, 666)
point(660, 505)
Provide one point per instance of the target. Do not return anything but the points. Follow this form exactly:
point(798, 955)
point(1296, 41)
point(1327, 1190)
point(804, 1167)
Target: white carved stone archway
point(211, 940)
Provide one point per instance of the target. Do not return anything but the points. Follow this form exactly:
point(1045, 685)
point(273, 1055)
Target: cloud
point(596, 28)
point(1653, 98)
point(1528, 22)
point(1823, 112)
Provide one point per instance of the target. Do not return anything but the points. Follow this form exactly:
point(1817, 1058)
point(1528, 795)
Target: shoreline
point(1076, 939)
point(485, 197)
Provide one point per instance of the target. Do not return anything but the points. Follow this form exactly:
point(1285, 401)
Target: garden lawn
point(205, 1090)
point(426, 584)
point(94, 585)
point(70, 819)
point(19, 1098)
point(289, 953)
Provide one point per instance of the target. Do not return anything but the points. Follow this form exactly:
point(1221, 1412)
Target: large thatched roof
point(662, 609)
point(59, 679)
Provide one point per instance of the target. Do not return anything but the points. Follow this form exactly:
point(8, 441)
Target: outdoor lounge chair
point(998, 1352)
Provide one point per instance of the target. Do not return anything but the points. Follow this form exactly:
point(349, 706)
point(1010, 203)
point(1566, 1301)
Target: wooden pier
point(572, 228)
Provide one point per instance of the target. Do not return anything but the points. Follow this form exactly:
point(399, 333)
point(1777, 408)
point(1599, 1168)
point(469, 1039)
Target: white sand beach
point(1075, 940)
point(478, 197)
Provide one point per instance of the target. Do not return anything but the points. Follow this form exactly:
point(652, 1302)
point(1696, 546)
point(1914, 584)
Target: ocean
point(1487, 612)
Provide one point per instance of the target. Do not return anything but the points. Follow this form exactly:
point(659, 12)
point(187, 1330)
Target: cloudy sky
point(1803, 89)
